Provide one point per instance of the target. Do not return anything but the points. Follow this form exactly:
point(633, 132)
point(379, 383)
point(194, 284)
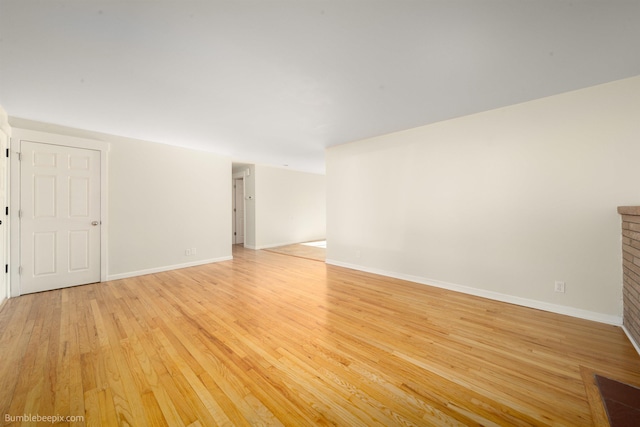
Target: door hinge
point(20, 213)
point(20, 270)
point(6, 210)
point(7, 152)
point(6, 268)
point(19, 156)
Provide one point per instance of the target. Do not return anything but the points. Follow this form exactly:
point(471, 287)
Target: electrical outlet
point(187, 252)
point(559, 286)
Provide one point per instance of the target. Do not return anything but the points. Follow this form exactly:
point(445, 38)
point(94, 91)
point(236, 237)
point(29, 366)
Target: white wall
point(499, 204)
point(162, 201)
point(250, 208)
point(290, 206)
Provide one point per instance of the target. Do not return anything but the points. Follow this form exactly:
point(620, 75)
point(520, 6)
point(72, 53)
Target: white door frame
point(242, 176)
point(5, 132)
point(234, 227)
point(18, 135)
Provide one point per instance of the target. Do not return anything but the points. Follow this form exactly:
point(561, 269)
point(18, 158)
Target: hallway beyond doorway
point(310, 250)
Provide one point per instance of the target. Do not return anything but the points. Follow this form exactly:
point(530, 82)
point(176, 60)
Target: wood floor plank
point(273, 339)
point(74, 362)
point(13, 345)
point(215, 412)
point(30, 379)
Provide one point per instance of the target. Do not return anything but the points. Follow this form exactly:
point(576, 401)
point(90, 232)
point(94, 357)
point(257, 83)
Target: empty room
point(322, 212)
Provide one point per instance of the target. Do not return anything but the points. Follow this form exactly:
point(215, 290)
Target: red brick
point(631, 250)
point(631, 218)
point(634, 235)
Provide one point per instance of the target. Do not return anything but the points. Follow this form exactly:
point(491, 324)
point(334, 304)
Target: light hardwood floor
point(270, 339)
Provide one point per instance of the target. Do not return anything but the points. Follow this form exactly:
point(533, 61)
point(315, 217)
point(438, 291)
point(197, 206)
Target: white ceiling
point(277, 82)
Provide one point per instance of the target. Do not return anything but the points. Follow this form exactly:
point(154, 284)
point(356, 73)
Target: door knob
point(94, 223)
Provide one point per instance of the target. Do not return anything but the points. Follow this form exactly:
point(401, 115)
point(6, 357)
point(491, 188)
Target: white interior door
point(60, 216)
point(238, 217)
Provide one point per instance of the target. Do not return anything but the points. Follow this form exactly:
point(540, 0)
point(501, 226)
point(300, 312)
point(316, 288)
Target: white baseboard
point(540, 305)
point(635, 344)
point(166, 268)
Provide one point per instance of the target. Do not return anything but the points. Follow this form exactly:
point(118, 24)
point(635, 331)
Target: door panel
point(44, 253)
point(79, 196)
point(44, 196)
point(60, 221)
point(79, 242)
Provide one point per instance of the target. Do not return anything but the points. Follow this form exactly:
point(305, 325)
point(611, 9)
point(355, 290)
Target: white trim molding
point(166, 268)
point(633, 342)
point(525, 302)
point(4, 122)
point(5, 133)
